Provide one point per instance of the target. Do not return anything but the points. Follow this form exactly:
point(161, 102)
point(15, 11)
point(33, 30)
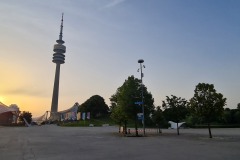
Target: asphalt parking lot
point(52, 142)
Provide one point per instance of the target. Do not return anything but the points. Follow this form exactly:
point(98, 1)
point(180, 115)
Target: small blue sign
point(140, 116)
point(138, 102)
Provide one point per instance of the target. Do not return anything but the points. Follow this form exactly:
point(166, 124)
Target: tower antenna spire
point(61, 29)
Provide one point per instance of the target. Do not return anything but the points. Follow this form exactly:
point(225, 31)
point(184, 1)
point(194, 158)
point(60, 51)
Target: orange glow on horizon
point(35, 105)
point(2, 99)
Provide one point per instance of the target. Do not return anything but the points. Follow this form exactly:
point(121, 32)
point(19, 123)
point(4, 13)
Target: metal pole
point(143, 121)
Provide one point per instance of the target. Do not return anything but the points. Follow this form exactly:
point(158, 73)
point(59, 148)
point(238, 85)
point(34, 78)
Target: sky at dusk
point(182, 42)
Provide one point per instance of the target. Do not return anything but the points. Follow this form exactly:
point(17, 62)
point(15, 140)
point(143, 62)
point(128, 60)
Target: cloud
point(114, 3)
point(25, 92)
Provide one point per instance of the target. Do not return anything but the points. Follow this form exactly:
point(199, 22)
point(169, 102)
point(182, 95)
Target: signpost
point(138, 103)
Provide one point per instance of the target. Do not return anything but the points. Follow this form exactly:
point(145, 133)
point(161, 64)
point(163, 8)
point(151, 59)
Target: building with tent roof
point(65, 115)
point(69, 114)
point(8, 114)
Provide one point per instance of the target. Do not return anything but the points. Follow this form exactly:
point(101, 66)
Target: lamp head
point(140, 61)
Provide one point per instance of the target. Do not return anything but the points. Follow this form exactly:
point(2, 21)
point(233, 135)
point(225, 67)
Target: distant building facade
point(8, 115)
point(69, 114)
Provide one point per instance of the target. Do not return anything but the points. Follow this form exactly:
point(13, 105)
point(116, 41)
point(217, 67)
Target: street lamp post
point(143, 120)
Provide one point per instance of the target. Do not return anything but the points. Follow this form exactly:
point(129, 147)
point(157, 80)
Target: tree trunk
point(159, 130)
point(125, 128)
point(177, 129)
point(119, 128)
point(209, 130)
point(136, 127)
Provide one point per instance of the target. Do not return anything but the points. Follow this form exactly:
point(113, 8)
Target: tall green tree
point(158, 118)
point(126, 96)
point(207, 104)
point(95, 105)
point(176, 108)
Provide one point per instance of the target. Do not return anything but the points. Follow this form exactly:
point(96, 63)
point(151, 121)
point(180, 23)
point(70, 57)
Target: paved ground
point(51, 142)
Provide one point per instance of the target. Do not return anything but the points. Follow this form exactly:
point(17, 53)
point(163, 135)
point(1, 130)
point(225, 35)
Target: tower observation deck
point(58, 58)
point(59, 48)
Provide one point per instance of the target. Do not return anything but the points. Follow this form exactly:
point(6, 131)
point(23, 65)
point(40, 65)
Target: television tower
point(58, 58)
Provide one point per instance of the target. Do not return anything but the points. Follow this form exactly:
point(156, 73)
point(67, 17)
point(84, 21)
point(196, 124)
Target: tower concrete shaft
point(54, 106)
point(58, 58)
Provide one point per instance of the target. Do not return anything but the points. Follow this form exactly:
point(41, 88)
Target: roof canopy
point(4, 108)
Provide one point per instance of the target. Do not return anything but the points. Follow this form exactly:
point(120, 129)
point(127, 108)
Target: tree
point(95, 105)
point(230, 116)
point(236, 117)
point(126, 96)
point(238, 106)
point(207, 104)
point(176, 107)
point(158, 118)
point(119, 117)
point(113, 100)
point(26, 115)
point(227, 116)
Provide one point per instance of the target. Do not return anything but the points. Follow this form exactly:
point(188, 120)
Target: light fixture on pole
point(143, 117)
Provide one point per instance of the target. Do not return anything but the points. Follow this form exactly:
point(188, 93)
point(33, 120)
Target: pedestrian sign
point(140, 116)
